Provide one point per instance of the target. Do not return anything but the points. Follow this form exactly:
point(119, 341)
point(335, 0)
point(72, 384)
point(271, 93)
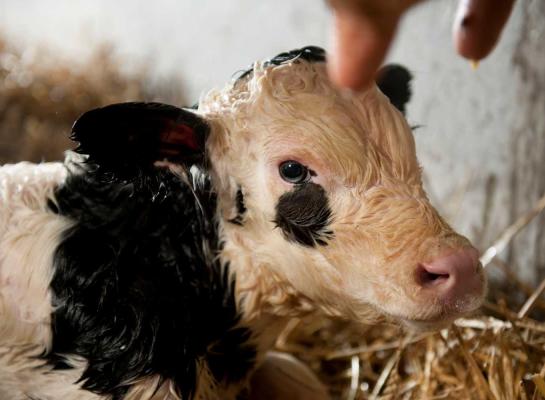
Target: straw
point(508, 234)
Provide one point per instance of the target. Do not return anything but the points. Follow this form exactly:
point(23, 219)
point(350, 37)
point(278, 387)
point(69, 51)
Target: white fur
point(24, 376)
point(29, 235)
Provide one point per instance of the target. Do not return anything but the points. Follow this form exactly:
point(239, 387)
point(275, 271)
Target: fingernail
point(466, 21)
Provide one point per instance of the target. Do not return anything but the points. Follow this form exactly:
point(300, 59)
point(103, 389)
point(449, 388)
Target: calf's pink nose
point(453, 275)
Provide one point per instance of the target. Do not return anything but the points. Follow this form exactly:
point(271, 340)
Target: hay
point(498, 354)
point(41, 96)
point(486, 357)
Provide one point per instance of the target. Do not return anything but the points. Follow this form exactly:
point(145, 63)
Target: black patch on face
point(303, 214)
point(138, 289)
point(395, 82)
point(308, 53)
point(241, 208)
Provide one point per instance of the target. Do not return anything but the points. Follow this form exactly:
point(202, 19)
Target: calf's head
point(320, 188)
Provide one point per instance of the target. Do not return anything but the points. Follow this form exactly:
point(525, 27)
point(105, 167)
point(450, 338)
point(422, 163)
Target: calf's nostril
point(433, 277)
point(459, 268)
point(426, 278)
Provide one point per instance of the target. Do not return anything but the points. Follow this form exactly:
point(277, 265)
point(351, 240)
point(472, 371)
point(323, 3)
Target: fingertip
point(351, 73)
point(358, 50)
point(478, 25)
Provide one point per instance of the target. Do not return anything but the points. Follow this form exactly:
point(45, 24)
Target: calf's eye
point(294, 172)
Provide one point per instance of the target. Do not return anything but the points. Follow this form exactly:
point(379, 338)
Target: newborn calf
point(164, 259)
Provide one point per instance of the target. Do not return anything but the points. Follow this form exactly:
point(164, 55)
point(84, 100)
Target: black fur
point(395, 82)
point(393, 79)
point(241, 208)
point(125, 140)
point(137, 288)
point(308, 53)
point(303, 214)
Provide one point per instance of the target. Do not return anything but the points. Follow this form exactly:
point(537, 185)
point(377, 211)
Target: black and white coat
point(130, 271)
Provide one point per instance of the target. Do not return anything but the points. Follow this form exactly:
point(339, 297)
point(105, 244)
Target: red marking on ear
point(180, 135)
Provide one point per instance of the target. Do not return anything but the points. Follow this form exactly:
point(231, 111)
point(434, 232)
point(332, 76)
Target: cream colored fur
point(363, 153)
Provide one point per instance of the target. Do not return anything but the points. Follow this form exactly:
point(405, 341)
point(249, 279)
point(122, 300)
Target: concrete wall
point(482, 135)
point(527, 137)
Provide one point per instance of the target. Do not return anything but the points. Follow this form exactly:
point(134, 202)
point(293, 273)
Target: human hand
point(364, 30)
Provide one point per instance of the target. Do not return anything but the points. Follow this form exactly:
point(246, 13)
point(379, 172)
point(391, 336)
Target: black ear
point(128, 138)
point(394, 81)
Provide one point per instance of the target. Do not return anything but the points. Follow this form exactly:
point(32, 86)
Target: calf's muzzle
point(452, 277)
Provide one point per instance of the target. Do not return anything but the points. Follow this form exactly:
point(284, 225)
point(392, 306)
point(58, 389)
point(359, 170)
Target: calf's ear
point(128, 138)
point(394, 81)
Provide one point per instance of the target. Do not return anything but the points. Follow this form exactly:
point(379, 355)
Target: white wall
point(205, 41)
point(469, 118)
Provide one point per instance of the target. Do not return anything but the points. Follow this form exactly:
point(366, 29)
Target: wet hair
point(307, 53)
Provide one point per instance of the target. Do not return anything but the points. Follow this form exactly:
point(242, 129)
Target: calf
point(164, 258)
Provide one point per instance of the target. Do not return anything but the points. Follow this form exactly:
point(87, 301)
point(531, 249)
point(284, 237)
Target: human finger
point(363, 32)
point(478, 25)
point(358, 49)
